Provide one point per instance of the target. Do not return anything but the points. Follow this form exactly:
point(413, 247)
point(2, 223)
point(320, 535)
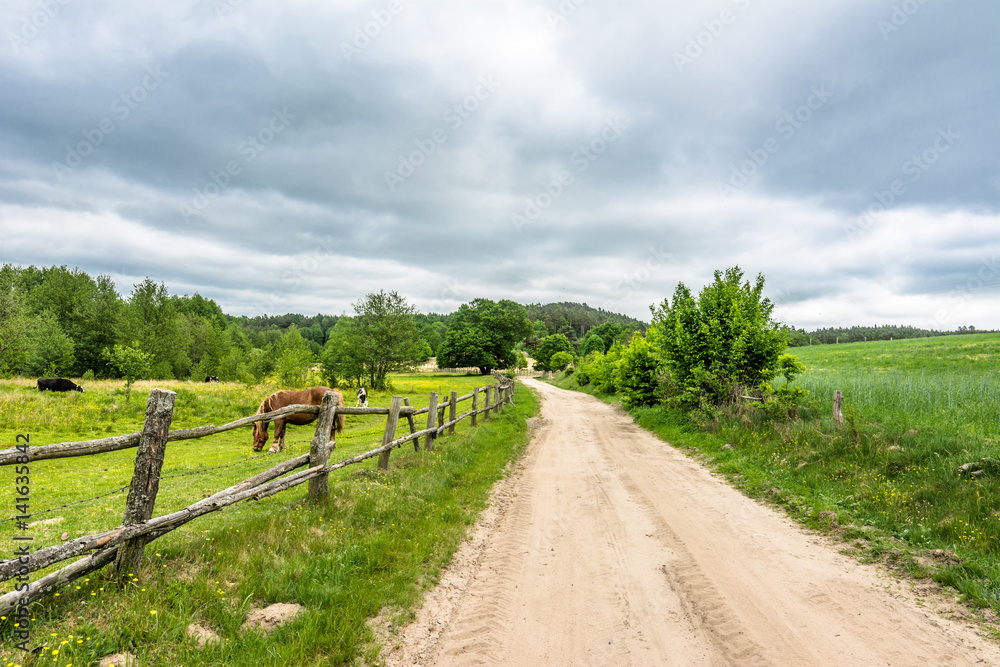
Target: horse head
point(259, 435)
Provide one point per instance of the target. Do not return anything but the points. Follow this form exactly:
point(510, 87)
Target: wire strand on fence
point(75, 502)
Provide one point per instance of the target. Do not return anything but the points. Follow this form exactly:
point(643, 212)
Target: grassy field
point(887, 481)
point(376, 544)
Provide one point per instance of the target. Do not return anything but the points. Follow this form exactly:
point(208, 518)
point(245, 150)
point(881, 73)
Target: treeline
point(61, 322)
point(833, 335)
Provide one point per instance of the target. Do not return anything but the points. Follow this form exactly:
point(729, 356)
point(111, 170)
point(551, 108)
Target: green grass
point(886, 481)
point(377, 543)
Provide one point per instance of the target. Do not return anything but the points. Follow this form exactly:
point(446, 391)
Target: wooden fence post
point(432, 411)
point(451, 411)
point(499, 402)
point(319, 452)
point(145, 477)
point(486, 411)
point(475, 404)
point(838, 400)
point(390, 431)
point(413, 426)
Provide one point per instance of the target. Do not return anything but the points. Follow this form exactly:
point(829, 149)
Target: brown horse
point(280, 399)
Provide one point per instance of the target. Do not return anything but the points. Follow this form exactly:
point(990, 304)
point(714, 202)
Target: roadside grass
point(377, 542)
point(886, 481)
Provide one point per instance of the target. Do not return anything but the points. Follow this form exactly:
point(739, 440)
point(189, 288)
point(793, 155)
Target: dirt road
point(608, 547)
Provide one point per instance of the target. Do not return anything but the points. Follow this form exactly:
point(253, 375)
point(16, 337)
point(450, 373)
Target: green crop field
point(378, 541)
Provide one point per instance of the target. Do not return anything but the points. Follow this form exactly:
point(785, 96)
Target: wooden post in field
point(475, 404)
point(452, 405)
point(498, 401)
point(432, 411)
point(413, 426)
point(838, 400)
point(390, 431)
point(319, 452)
point(488, 407)
point(145, 477)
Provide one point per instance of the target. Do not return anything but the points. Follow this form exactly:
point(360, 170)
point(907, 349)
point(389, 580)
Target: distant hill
point(574, 320)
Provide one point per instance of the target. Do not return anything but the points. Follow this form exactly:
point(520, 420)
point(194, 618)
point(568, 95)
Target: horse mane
point(264, 407)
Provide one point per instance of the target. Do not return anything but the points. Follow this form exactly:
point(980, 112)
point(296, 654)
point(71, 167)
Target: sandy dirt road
point(608, 547)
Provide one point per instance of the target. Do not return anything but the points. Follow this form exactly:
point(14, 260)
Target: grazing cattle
point(362, 398)
point(211, 378)
point(57, 384)
point(280, 399)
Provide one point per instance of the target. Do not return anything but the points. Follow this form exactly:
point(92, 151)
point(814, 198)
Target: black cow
point(211, 378)
point(57, 384)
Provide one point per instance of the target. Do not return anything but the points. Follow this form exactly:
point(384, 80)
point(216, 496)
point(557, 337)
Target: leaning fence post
point(413, 426)
point(432, 411)
point(838, 400)
point(475, 404)
point(451, 411)
point(145, 477)
point(390, 431)
point(319, 452)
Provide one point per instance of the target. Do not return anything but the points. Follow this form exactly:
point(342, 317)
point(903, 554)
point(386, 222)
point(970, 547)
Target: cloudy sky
point(294, 156)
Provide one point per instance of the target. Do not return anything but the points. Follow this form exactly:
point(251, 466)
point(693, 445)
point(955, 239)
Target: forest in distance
point(58, 321)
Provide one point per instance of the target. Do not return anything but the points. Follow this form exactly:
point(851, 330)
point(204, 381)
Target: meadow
point(887, 481)
point(377, 542)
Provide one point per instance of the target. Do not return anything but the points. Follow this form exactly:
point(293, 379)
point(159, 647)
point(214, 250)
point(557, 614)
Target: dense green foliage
point(721, 344)
point(483, 334)
point(549, 346)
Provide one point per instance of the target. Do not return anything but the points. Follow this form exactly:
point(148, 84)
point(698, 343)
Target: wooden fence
point(125, 544)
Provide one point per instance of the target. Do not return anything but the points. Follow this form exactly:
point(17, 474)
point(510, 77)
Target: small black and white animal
point(362, 398)
point(57, 384)
point(212, 378)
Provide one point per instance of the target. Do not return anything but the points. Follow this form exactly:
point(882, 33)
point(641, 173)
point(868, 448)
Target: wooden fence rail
point(125, 544)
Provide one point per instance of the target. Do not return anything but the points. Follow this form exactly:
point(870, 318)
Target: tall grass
point(377, 542)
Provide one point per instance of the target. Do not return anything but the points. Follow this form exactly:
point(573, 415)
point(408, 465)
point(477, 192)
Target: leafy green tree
point(151, 323)
point(483, 333)
point(384, 334)
point(549, 346)
point(294, 359)
point(100, 329)
point(560, 360)
point(131, 363)
point(592, 343)
point(50, 350)
point(15, 324)
point(637, 373)
point(721, 344)
point(341, 356)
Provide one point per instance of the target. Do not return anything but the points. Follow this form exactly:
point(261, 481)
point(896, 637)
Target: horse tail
point(341, 417)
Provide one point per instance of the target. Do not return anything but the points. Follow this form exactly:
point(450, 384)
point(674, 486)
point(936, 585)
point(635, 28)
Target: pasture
point(378, 541)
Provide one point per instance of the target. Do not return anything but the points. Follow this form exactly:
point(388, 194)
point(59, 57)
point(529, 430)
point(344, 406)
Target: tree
point(341, 356)
point(15, 325)
point(721, 344)
point(294, 358)
point(548, 347)
point(384, 334)
point(151, 324)
point(131, 363)
point(637, 372)
point(50, 351)
point(484, 334)
point(560, 360)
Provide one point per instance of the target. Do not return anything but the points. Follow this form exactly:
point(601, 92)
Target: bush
point(637, 372)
